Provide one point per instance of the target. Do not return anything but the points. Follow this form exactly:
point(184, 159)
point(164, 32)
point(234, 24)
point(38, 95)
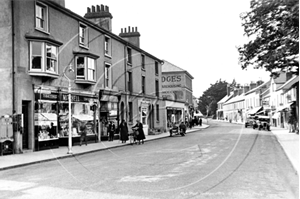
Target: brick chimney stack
point(132, 35)
point(100, 15)
point(252, 85)
point(246, 88)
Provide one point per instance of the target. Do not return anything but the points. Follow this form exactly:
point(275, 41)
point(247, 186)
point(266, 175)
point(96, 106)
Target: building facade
point(177, 91)
point(51, 54)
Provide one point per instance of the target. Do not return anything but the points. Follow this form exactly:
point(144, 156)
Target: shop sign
point(75, 98)
point(46, 96)
point(109, 98)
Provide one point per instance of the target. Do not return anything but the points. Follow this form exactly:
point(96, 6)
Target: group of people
point(138, 132)
point(194, 122)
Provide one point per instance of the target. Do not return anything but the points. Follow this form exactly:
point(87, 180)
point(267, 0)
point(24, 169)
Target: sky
point(199, 36)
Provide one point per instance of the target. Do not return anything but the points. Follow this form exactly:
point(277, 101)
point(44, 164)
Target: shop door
point(25, 112)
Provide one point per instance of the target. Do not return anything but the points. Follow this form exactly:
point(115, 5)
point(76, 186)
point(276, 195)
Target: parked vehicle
point(249, 122)
point(262, 123)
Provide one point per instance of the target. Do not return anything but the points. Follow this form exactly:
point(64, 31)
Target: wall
point(5, 64)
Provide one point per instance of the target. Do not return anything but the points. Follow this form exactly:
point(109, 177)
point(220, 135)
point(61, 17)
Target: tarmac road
point(223, 161)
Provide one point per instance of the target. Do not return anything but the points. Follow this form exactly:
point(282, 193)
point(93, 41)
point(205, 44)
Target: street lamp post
point(70, 111)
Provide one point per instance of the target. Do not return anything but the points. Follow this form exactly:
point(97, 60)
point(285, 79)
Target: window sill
point(83, 46)
point(107, 55)
point(83, 81)
point(42, 30)
point(43, 74)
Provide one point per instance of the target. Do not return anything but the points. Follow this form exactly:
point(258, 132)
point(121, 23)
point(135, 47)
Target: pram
point(133, 137)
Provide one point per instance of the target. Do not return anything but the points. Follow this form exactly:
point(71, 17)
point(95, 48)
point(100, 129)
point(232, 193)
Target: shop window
point(41, 17)
point(85, 68)
point(107, 46)
point(44, 57)
point(83, 35)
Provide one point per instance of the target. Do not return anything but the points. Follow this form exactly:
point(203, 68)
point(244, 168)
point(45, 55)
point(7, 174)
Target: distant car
point(249, 122)
point(263, 123)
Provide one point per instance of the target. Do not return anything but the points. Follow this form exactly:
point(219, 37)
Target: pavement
point(288, 141)
point(290, 144)
point(19, 160)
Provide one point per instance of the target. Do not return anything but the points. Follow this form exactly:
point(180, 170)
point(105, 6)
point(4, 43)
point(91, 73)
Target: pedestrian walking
point(139, 127)
point(111, 130)
point(83, 132)
point(200, 121)
point(124, 131)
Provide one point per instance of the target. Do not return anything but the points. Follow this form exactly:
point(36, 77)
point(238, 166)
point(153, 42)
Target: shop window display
point(45, 120)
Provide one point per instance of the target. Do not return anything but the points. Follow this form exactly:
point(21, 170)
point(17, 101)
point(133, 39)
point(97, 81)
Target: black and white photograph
point(112, 99)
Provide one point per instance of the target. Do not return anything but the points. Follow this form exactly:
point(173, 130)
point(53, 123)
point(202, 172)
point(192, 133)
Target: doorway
point(25, 132)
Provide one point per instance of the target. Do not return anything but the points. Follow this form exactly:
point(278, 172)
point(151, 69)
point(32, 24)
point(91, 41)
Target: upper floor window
point(85, 68)
point(129, 81)
point(107, 46)
point(41, 17)
point(156, 68)
point(143, 84)
point(83, 35)
point(156, 88)
point(44, 57)
point(129, 58)
point(107, 75)
point(143, 62)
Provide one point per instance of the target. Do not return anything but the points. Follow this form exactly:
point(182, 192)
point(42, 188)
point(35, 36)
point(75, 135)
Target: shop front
point(51, 119)
point(83, 116)
point(175, 113)
point(109, 102)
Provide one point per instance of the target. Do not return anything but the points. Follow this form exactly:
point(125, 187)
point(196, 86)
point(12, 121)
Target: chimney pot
point(125, 30)
point(93, 8)
point(132, 29)
point(135, 29)
point(106, 8)
point(98, 8)
point(102, 7)
point(121, 30)
point(128, 28)
point(88, 10)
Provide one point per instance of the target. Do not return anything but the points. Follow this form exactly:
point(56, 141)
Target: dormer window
point(41, 17)
point(83, 35)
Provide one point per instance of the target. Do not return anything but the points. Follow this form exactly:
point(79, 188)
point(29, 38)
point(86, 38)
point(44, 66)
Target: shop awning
point(276, 115)
point(254, 110)
point(281, 108)
point(83, 117)
point(198, 114)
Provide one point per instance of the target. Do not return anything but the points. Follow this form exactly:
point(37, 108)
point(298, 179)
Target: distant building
point(177, 91)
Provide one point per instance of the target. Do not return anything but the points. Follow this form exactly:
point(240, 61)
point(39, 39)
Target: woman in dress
point(139, 128)
point(124, 131)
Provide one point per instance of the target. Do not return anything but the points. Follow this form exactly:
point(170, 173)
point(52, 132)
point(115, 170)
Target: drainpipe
point(126, 89)
point(15, 136)
point(13, 55)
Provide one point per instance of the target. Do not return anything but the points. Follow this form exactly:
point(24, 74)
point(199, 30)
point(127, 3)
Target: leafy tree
point(209, 99)
point(273, 29)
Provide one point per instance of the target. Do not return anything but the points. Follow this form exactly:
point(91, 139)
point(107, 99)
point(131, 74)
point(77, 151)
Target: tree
point(209, 99)
point(273, 27)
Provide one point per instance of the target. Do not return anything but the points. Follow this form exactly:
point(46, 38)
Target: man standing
point(111, 130)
